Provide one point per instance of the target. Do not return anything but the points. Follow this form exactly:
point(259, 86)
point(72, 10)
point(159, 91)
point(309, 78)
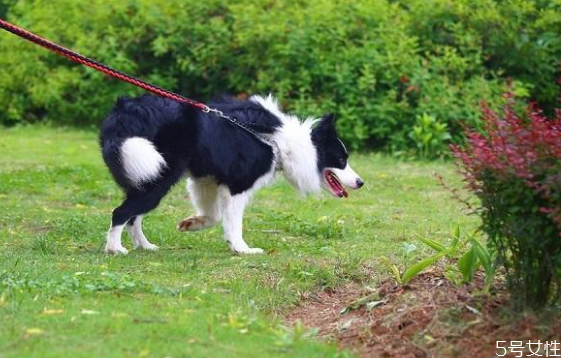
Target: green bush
point(514, 168)
point(378, 64)
point(430, 137)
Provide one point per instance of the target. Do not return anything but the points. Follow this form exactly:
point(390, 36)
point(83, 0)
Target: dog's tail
point(133, 161)
point(141, 161)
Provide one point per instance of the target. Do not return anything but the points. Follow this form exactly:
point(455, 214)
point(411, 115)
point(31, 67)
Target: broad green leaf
point(485, 258)
point(438, 247)
point(420, 266)
point(468, 264)
point(482, 253)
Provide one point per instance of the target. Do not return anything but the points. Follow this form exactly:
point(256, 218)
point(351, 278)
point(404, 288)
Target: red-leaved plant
point(514, 167)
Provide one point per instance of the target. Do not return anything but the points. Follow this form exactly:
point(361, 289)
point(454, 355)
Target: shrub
point(430, 136)
point(379, 64)
point(514, 167)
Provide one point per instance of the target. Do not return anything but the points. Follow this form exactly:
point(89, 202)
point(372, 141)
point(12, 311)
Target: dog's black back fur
point(189, 141)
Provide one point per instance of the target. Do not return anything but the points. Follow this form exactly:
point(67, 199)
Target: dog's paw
point(193, 223)
point(249, 251)
point(149, 247)
point(118, 250)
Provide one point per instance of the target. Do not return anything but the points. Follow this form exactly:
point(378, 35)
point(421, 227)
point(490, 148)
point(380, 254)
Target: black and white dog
point(150, 143)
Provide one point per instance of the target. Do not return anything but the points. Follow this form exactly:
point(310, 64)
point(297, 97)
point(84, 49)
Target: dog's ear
point(325, 128)
point(328, 120)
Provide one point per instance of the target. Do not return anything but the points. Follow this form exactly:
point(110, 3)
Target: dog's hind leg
point(134, 227)
point(232, 221)
point(114, 245)
point(121, 216)
point(204, 195)
point(133, 206)
point(138, 202)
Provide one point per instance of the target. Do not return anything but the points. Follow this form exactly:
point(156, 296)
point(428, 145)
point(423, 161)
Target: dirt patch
point(428, 318)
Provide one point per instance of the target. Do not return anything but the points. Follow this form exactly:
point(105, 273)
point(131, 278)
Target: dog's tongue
point(342, 191)
point(336, 186)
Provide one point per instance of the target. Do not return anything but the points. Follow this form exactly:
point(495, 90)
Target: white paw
point(249, 251)
point(117, 250)
point(148, 246)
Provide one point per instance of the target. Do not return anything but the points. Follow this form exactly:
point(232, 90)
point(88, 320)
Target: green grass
point(61, 296)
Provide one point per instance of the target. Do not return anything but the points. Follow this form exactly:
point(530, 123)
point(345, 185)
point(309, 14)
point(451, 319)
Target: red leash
point(76, 57)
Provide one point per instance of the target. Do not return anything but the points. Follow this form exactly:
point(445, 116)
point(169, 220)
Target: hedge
point(382, 66)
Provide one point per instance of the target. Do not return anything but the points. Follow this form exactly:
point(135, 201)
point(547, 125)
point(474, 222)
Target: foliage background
point(400, 74)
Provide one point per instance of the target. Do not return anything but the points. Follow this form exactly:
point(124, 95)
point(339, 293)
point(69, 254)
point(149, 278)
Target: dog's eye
point(343, 162)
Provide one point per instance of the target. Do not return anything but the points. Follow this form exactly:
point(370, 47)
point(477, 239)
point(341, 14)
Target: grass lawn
point(61, 296)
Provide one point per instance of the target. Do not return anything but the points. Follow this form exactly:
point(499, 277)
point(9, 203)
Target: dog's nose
point(359, 183)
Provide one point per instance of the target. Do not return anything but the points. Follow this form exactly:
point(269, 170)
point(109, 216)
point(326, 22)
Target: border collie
point(149, 143)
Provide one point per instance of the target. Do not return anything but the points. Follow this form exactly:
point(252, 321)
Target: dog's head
point(333, 165)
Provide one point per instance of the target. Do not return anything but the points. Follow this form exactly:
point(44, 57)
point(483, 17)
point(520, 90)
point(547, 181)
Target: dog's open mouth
point(335, 184)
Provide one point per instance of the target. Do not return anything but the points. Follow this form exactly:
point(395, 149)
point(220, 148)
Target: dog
point(149, 143)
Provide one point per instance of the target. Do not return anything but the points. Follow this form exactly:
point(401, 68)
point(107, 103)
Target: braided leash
point(76, 57)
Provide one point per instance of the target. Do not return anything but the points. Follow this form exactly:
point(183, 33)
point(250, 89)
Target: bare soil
point(430, 317)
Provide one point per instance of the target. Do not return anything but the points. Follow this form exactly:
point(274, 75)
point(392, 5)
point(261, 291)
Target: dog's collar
point(271, 143)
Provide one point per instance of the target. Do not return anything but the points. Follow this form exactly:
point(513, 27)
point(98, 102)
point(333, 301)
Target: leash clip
point(219, 113)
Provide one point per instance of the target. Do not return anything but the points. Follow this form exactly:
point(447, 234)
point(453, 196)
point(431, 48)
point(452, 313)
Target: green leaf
point(484, 257)
point(457, 232)
point(438, 247)
point(482, 253)
point(454, 245)
point(393, 269)
point(416, 269)
point(468, 264)
point(408, 248)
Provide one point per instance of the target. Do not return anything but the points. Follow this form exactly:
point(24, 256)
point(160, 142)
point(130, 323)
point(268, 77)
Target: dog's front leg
point(232, 221)
point(204, 196)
